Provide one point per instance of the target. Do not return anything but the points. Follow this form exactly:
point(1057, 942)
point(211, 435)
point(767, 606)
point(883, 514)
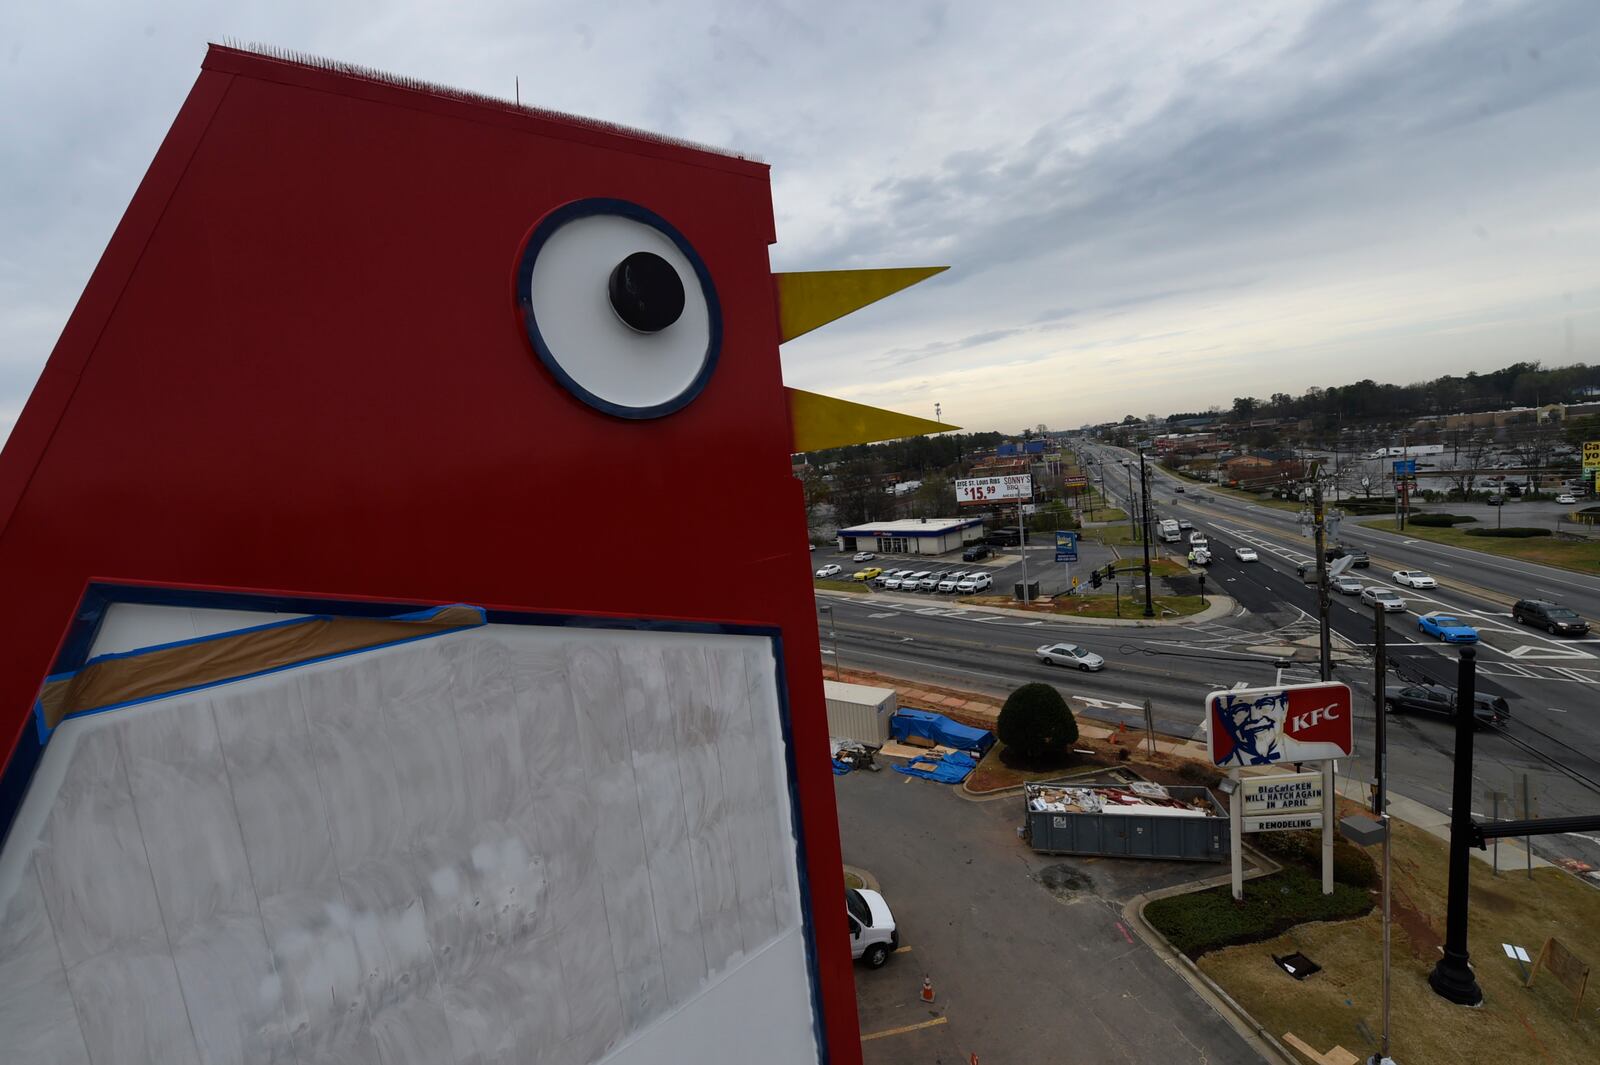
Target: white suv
point(951, 579)
point(974, 582)
point(1413, 578)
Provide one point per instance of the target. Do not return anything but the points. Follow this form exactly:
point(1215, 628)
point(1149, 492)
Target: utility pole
point(1132, 526)
point(1324, 638)
point(1144, 521)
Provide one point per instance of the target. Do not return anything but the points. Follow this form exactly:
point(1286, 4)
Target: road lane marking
point(1557, 710)
point(904, 1028)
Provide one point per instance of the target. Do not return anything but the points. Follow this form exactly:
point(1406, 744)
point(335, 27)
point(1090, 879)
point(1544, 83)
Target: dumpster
point(1139, 820)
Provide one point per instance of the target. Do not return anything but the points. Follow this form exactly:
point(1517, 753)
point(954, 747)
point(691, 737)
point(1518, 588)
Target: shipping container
point(859, 712)
point(1102, 827)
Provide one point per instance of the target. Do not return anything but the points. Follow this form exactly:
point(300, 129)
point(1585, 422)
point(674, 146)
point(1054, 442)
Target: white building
point(912, 536)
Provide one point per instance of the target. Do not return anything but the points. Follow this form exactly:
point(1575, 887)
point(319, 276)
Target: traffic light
point(1094, 579)
point(1111, 570)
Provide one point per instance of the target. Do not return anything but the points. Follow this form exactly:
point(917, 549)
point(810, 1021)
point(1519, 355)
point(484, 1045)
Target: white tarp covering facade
point(510, 844)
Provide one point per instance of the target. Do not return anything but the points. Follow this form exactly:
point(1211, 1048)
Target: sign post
point(1280, 726)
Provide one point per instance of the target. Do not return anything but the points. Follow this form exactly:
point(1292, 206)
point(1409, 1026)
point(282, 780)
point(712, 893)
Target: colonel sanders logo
point(1264, 726)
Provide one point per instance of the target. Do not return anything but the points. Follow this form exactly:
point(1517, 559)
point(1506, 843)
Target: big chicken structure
point(322, 743)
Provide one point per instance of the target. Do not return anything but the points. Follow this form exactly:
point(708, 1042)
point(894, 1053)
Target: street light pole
point(1144, 522)
point(1380, 799)
point(1452, 977)
point(833, 635)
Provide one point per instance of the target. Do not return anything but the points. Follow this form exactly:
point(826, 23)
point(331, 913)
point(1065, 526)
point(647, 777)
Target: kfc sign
point(1270, 726)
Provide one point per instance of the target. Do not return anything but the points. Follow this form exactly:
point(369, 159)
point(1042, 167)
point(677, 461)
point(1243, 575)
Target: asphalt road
point(1029, 956)
point(1506, 579)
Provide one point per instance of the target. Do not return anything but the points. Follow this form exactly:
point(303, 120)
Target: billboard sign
point(1066, 546)
point(1074, 482)
point(1405, 467)
point(1591, 456)
point(994, 489)
point(1280, 725)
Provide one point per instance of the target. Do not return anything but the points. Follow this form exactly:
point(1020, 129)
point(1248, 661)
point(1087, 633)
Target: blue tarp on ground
point(947, 769)
point(940, 729)
point(839, 768)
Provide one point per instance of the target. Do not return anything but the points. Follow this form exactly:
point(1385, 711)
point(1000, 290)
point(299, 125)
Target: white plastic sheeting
point(512, 844)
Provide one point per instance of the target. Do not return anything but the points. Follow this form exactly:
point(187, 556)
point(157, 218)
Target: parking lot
point(1030, 956)
point(1003, 567)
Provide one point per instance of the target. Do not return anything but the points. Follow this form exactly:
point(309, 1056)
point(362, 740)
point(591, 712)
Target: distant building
point(912, 536)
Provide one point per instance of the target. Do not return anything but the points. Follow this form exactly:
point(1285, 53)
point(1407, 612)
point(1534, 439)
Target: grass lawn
point(841, 586)
point(1111, 535)
point(1514, 1024)
point(1567, 554)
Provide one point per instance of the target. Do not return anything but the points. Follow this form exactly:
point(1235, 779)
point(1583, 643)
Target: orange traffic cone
point(927, 989)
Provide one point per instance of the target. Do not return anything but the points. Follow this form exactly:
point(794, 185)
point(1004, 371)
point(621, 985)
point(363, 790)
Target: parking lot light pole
point(1132, 526)
point(1380, 800)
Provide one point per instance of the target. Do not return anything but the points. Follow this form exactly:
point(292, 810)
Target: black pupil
point(646, 292)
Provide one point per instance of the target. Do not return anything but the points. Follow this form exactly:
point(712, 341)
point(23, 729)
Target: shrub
point(1441, 520)
point(1209, 920)
point(1036, 723)
point(1513, 531)
point(1351, 864)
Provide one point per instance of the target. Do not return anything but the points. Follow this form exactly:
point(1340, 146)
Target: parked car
point(873, 935)
point(1345, 585)
point(1566, 498)
point(829, 570)
point(1245, 554)
point(1438, 699)
point(1391, 600)
point(950, 580)
point(909, 582)
point(866, 574)
point(931, 581)
point(1554, 618)
point(974, 582)
point(1447, 627)
point(893, 579)
point(862, 556)
point(1070, 654)
point(1413, 578)
point(976, 553)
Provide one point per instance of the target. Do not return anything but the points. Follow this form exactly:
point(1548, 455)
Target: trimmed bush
point(1351, 864)
point(1210, 920)
point(1512, 531)
point(1440, 520)
point(1036, 723)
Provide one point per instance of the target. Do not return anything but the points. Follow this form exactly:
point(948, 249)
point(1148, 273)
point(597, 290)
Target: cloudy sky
point(1146, 207)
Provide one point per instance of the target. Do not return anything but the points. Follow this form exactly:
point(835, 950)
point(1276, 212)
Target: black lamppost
point(1452, 978)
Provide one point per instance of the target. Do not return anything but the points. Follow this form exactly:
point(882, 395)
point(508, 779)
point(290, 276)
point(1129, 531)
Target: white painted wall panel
point(512, 844)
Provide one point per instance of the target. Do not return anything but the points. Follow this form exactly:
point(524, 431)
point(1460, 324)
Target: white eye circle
point(619, 308)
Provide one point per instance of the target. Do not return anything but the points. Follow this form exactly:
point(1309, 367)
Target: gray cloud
point(1219, 200)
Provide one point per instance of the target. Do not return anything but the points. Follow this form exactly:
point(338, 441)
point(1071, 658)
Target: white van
point(873, 935)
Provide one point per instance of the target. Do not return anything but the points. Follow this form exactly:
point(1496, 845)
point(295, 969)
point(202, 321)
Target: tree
point(856, 494)
point(1465, 459)
point(1036, 723)
point(816, 493)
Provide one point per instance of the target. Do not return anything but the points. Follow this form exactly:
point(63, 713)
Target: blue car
point(1447, 628)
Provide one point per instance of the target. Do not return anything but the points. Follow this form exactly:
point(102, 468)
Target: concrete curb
point(1238, 1018)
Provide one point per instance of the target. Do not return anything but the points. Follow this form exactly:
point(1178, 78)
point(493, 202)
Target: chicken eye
point(619, 307)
